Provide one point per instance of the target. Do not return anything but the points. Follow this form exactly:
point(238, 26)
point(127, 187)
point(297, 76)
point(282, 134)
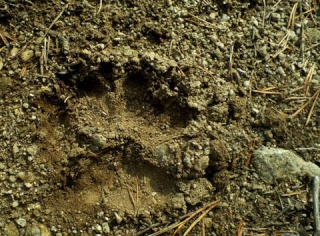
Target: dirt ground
point(125, 117)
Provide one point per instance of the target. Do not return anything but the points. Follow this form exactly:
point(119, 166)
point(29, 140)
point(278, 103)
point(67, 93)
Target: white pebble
point(15, 204)
point(22, 222)
point(28, 185)
point(12, 178)
point(25, 105)
point(246, 83)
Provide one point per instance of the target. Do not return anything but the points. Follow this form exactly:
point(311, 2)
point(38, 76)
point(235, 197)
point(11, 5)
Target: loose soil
point(122, 117)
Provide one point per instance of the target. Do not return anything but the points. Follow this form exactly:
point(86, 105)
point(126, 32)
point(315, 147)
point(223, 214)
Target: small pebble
point(28, 185)
point(26, 55)
point(32, 150)
point(15, 204)
point(2, 166)
point(246, 83)
point(212, 16)
point(281, 56)
point(12, 178)
point(204, 63)
point(14, 52)
point(97, 228)
point(224, 18)
point(275, 17)
point(25, 105)
point(118, 218)
point(263, 51)
point(22, 222)
point(21, 175)
point(280, 71)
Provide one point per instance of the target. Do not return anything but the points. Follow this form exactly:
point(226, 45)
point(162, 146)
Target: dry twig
point(201, 22)
point(308, 80)
point(55, 20)
point(100, 7)
point(314, 98)
point(268, 90)
point(178, 225)
point(199, 218)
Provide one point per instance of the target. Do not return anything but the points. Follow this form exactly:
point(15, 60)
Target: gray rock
point(277, 163)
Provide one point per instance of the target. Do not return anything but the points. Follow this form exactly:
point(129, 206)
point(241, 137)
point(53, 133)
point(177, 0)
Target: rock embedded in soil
point(276, 163)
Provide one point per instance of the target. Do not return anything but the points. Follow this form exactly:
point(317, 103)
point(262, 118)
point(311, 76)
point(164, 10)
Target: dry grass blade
point(296, 98)
point(279, 51)
point(293, 193)
point(4, 40)
point(308, 80)
point(292, 16)
point(203, 22)
point(100, 7)
point(314, 98)
point(268, 90)
point(301, 108)
point(284, 39)
point(186, 220)
point(264, 13)
point(275, 5)
point(200, 218)
point(179, 225)
point(312, 107)
point(167, 229)
point(56, 19)
point(240, 228)
point(191, 216)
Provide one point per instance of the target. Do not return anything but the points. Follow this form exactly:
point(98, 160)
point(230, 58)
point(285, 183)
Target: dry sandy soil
point(125, 117)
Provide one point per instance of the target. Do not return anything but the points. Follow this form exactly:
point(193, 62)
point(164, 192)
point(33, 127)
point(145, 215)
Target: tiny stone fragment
point(22, 222)
point(275, 17)
point(26, 55)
